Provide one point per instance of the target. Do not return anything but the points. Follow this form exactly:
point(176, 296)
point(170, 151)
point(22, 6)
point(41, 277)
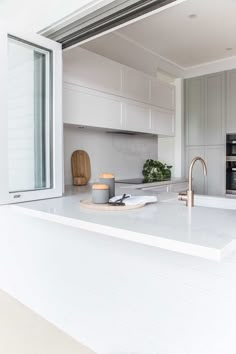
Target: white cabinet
point(231, 102)
point(136, 117)
point(214, 182)
point(90, 70)
point(162, 94)
point(84, 107)
point(162, 121)
point(135, 85)
point(92, 108)
point(99, 92)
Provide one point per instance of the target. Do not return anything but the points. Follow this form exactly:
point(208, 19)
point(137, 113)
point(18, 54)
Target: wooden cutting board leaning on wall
point(81, 169)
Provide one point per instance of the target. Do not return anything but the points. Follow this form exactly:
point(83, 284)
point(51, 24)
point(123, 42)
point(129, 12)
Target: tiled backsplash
point(123, 155)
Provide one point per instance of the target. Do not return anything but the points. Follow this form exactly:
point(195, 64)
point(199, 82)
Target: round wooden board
point(88, 204)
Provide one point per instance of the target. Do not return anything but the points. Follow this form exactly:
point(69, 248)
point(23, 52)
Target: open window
point(31, 122)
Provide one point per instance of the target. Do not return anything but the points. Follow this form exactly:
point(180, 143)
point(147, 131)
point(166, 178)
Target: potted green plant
point(156, 171)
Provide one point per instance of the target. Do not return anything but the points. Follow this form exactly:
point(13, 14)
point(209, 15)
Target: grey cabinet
point(205, 130)
point(194, 111)
point(199, 180)
point(205, 110)
point(215, 160)
point(231, 102)
point(214, 105)
point(214, 156)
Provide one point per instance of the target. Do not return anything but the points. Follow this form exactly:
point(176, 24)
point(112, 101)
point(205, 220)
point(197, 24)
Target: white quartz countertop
point(168, 224)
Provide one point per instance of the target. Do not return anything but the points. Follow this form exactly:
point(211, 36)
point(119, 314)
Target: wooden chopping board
point(81, 169)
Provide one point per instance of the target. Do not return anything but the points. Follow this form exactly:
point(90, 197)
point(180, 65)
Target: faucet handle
point(182, 196)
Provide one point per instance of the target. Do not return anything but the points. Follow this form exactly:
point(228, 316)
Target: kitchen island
point(167, 224)
point(114, 295)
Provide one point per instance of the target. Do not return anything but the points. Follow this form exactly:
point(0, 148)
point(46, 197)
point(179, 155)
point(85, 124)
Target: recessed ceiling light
point(229, 48)
point(192, 16)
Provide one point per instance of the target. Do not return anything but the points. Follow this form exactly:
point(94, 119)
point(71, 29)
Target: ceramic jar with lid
point(100, 193)
point(108, 178)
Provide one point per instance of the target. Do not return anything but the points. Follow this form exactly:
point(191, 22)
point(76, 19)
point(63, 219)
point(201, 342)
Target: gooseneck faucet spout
point(189, 196)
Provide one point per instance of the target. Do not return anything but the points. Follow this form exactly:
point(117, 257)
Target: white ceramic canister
point(100, 193)
point(108, 178)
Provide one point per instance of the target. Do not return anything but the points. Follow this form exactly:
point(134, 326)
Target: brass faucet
point(188, 197)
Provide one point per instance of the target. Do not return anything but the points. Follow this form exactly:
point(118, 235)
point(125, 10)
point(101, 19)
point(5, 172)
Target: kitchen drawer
point(163, 188)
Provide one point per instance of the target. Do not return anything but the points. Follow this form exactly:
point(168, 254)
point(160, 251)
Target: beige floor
point(24, 332)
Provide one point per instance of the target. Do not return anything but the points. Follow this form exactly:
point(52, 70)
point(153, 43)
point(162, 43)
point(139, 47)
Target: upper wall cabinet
point(90, 70)
point(99, 92)
point(162, 121)
point(231, 102)
point(135, 85)
point(87, 107)
point(162, 94)
point(136, 117)
point(205, 110)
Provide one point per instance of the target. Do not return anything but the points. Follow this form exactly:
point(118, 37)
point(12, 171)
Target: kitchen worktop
point(167, 224)
point(118, 296)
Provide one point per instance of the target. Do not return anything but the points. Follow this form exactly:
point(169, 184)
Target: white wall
point(121, 154)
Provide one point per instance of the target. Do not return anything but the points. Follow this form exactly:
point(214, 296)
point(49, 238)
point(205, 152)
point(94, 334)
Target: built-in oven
point(231, 164)
point(231, 145)
point(231, 177)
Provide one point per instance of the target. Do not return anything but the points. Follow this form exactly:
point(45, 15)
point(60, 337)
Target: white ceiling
point(181, 40)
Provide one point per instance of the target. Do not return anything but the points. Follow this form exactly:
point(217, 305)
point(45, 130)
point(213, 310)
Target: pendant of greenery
point(155, 171)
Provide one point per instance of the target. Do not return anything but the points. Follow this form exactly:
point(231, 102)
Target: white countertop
point(168, 224)
point(116, 296)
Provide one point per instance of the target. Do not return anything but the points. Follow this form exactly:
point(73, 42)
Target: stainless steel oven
point(231, 164)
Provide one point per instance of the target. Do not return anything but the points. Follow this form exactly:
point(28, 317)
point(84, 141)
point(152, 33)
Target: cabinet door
point(136, 117)
point(231, 102)
point(215, 160)
point(135, 85)
point(31, 118)
point(194, 111)
point(162, 94)
point(162, 122)
point(91, 70)
point(199, 180)
point(84, 107)
point(215, 109)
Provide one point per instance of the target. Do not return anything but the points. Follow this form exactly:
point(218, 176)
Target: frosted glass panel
point(29, 151)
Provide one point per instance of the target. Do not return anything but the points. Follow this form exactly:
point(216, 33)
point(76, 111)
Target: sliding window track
point(104, 19)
